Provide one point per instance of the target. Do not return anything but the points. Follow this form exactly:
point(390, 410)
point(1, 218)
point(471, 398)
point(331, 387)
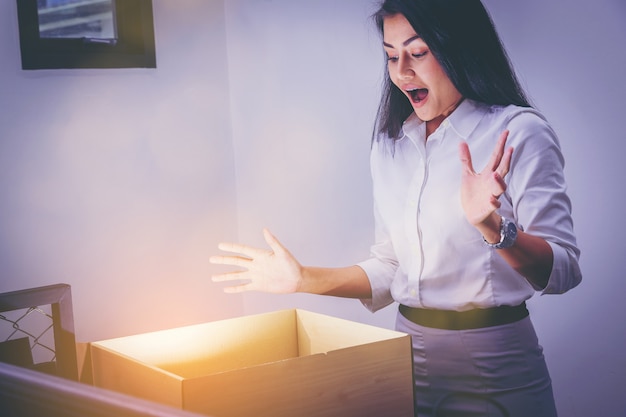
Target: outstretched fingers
point(272, 270)
point(239, 261)
point(500, 160)
point(272, 241)
point(229, 276)
point(236, 289)
point(498, 151)
point(242, 260)
point(466, 158)
point(505, 163)
point(248, 251)
point(480, 192)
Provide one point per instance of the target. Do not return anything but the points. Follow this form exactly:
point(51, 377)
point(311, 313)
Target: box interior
point(222, 346)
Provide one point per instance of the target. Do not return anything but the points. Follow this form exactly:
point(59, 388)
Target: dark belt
point(464, 320)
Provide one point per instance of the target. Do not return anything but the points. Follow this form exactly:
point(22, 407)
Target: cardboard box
point(290, 363)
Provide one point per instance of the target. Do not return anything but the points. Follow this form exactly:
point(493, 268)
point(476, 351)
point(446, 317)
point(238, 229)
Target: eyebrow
point(405, 43)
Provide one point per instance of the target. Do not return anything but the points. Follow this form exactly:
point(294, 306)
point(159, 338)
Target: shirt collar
point(466, 117)
point(411, 127)
point(463, 119)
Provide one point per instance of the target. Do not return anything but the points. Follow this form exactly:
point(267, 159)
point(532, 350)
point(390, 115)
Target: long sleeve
point(538, 194)
point(381, 267)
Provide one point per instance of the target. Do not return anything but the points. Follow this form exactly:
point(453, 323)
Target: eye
point(392, 58)
point(420, 55)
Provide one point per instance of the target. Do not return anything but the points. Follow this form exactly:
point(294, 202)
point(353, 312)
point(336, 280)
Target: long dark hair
point(462, 36)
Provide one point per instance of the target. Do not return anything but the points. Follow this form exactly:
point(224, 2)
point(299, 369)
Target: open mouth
point(417, 94)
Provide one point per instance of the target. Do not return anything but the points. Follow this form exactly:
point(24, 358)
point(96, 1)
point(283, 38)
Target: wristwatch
point(508, 234)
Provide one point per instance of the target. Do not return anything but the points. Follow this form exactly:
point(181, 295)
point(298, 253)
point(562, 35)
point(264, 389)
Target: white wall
point(304, 80)
point(304, 87)
point(120, 182)
point(572, 58)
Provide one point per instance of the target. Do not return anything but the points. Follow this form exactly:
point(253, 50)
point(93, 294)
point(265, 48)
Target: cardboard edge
point(128, 375)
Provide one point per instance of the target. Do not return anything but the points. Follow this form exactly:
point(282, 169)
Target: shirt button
point(413, 293)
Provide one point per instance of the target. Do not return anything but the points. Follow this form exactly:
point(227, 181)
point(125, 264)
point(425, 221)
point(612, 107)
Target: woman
point(459, 250)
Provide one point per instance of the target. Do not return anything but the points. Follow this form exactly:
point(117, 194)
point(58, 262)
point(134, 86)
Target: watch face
point(509, 231)
point(508, 234)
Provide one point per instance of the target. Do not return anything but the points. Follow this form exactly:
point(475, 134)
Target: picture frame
point(132, 47)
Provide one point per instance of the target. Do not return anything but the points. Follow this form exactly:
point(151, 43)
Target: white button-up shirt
point(426, 253)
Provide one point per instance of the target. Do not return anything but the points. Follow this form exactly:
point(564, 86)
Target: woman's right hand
point(273, 271)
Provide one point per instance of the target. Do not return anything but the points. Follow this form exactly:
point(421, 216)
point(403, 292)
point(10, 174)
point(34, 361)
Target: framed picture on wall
point(58, 34)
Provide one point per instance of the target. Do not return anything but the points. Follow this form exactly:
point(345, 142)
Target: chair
point(59, 298)
point(26, 393)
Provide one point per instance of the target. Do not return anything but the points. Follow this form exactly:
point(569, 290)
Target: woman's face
point(416, 72)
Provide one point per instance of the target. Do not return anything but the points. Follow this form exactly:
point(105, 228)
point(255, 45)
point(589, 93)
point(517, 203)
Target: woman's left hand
point(480, 191)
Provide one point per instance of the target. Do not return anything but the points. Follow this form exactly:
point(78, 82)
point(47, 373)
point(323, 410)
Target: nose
point(405, 71)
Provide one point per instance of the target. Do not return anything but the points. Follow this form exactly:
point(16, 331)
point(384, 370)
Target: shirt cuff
point(565, 273)
point(380, 276)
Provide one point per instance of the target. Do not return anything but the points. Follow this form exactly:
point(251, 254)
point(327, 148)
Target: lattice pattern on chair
point(37, 330)
point(36, 324)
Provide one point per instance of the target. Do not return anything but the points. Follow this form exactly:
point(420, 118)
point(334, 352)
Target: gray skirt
point(479, 372)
